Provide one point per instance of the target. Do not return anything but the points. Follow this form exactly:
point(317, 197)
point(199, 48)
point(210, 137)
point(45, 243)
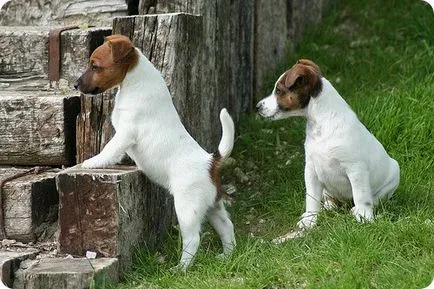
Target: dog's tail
point(228, 130)
point(224, 150)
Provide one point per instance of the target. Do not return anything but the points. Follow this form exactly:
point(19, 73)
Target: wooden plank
point(76, 47)
point(37, 128)
point(111, 212)
point(61, 12)
point(61, 273)
point(10, 262)
point(29, 205)
point(255, 43)
point(24, 56)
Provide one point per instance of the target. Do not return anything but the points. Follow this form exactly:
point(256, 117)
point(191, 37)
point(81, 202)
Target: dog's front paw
point(179, 269)
point(92, 163)
point(363, 214)
point(307, 221)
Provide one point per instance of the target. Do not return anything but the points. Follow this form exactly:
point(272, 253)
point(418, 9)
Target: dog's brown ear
point(310, 63)
point(302, 78)
point(121, 46)
point(293, 79)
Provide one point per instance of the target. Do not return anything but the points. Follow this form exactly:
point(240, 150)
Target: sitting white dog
point(149, 130)
point(344, 160)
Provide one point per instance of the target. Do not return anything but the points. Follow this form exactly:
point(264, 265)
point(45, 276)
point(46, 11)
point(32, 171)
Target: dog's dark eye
point(94, 67)
point(277, 91)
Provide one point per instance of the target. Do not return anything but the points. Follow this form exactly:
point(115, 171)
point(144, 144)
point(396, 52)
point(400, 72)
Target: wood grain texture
point(61, 273)
point(111, 212)
point(94, 128)
point(225, 60)
point(61, 12)
point(24, 56)
point(274, 39)
point(76, 47)
point(29, 205)
point(37, 128)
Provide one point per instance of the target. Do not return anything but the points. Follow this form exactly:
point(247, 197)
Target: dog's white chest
point(328, 169)
point(115, 119)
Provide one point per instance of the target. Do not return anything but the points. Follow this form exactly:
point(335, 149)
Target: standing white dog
point(150, 131)
point(344, 160)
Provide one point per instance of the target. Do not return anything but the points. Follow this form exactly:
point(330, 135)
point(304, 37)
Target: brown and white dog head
point(292, 91)
point(108, 65)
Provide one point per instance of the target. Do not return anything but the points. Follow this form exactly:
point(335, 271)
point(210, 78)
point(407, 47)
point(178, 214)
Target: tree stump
point(226, 60)
point(111, 212)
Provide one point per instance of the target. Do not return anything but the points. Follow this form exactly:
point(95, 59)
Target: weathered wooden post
point(274, 39)
point(111, 212)
point(226, 61)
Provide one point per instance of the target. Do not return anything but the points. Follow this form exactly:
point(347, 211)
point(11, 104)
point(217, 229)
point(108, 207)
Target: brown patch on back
point(214, 172)
point(108, 65)
point(295, 88)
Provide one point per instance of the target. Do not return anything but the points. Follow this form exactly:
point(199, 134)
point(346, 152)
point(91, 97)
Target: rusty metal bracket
point(34, 170)
point(54, 51)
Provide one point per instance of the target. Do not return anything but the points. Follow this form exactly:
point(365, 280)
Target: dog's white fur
point(150, 131)
point(343, 159)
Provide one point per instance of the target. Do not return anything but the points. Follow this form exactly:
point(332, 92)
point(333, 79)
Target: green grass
point(380, 57)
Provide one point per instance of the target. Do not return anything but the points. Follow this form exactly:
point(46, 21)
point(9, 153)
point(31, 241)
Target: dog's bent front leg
point(112, 152)
point(313, 197)
point(363, 209)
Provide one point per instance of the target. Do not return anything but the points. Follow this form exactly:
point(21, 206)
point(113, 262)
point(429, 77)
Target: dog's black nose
point(259, 105)
point(76, 85)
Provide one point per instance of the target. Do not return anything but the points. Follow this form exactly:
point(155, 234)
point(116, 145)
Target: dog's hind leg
point(386, 192)
point(190, 216)
point(363, 209)
point(219, 219)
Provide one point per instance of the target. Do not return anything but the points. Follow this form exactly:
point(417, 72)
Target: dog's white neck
point(326, 111)
point(147, 85)
point(142, 75)
point(328, 102)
